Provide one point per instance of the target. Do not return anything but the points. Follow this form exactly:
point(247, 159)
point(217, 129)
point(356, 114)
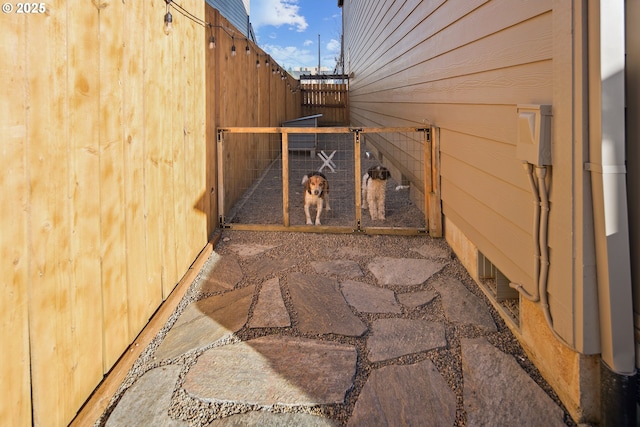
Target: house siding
point(235, 12)
point(464, 66)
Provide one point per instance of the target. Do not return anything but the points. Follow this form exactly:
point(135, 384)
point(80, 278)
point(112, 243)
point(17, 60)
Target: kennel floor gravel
point(297, 329)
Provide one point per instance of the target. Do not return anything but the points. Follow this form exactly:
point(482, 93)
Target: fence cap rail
point(324, 77)
point(336, 129)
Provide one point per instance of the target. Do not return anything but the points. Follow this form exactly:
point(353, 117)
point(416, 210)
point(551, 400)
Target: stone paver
point(147, 402)
point(274, 370)
point(338, 268)
point(498, 392)
point(303, 354)
point(391, 338)
point(434, 251)
point(206, 321)
point(266, 267)
point(321, 306)
point(221, 274)
point(270, 311)
point(369, 299)
point(403, 271)
point(461, 306)
point(417, 299)
point(412, 395)
point(270, 419)
point(249, 250)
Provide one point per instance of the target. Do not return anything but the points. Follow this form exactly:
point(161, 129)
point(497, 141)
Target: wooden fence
point(108, 184)
point(328, 99)
point(243, 90)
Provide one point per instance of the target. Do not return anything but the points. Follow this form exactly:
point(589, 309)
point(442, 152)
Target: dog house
point(303, 141)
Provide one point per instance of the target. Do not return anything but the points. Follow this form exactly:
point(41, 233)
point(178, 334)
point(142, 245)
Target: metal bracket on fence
point(427, 131)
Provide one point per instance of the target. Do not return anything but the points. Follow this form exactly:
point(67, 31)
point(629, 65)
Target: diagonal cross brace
point(327, 161)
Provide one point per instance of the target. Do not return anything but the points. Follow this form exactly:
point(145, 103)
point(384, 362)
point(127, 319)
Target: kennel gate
point(260, 179)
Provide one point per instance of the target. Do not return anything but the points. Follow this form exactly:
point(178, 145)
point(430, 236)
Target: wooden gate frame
point(431, 174)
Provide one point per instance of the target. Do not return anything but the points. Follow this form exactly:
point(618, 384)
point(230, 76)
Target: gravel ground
point(305, 248)
point(262, 204)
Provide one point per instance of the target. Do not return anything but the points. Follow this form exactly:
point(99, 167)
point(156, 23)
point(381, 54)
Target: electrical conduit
point(540, 242)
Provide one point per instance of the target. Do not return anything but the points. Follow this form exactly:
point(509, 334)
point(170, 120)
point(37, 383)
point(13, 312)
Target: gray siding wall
point(234, 11)
point(463, 66)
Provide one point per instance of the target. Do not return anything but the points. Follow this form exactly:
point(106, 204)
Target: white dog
point(316, 192)
point(374, 184)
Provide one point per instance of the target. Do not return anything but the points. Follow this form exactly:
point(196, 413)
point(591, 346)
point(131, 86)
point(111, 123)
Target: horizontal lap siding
point(234, 11)
point(462, 66)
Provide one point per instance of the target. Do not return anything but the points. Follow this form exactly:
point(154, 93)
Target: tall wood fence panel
point(108, 183)
point(245, 90)
point(328, 99)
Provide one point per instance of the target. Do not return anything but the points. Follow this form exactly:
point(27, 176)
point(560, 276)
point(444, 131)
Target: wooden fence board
point(143, 294)
point(196, 148)
point(180, 57)
point(154, 86)
point(171, 102)
point(84, 170)
point(50, 308)
point(211, 110)
point(15, 406)
point(112, 200)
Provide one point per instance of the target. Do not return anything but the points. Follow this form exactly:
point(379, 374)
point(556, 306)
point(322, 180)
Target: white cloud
point(290, 56)
point(333, 46)
point(307, 42)
point(277, 13)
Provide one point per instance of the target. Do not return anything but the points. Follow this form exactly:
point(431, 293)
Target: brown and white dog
point(374, 184)
point(316, 192)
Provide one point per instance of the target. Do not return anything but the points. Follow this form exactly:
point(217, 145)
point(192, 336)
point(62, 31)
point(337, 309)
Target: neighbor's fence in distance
point(328, 96)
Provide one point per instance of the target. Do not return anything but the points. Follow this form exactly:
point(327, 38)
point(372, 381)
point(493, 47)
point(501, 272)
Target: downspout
point(611, 227)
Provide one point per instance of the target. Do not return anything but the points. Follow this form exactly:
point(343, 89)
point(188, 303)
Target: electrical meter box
point(534, 134)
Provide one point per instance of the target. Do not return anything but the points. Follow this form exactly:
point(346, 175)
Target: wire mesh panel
point(376, 178)
point(334, 158)
point(402, 153)
point(250, 178)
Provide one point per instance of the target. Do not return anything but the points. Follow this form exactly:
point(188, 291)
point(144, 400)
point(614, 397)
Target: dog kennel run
point(260, 178)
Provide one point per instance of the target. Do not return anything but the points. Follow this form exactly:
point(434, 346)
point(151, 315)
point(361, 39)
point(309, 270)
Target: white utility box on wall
point(534, 134)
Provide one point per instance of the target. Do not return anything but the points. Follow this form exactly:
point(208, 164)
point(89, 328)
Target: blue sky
point(288, 31)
